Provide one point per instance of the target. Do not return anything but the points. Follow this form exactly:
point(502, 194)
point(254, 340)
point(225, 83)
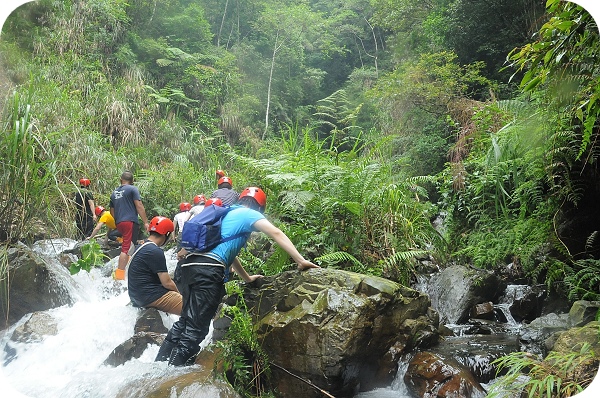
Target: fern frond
point(589, 242)
point(402, 257)
point(338, 257)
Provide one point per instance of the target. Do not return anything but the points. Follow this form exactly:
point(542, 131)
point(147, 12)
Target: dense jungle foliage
point(382, 131)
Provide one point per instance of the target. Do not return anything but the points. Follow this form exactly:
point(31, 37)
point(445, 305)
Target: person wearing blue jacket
point(203, 275)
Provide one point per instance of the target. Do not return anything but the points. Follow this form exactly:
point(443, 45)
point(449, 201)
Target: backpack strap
point(234, 237)
point(137, 250)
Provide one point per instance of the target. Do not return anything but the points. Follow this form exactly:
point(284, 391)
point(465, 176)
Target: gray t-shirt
point(122, 200)
point(228, 196)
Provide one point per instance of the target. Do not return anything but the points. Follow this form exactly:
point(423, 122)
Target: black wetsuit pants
point(202, 289)
point(85, 226)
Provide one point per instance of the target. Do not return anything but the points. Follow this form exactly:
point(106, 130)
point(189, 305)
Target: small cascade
point(514, 293)
point(49, 250)
point(70, 363)
point(504, 314)
point(460, 330)
point(483, 330)
point(397, 389)
point(422, 283)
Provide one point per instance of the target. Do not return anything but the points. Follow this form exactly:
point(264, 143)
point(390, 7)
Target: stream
point(70, 363)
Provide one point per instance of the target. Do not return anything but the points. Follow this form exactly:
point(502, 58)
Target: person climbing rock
point(105, 218)
point(203, 275)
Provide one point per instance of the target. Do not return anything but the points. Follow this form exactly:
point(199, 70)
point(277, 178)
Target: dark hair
point(127, 176)
point(225, 185)
point(251, 203)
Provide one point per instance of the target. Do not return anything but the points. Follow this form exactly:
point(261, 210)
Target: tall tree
point(287, 30)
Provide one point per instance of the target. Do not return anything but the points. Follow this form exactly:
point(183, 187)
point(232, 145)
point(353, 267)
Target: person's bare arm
point(175, 230)
point(139, 206)
point(167, 282)
point(284, 242)
point(239, 269)
point(95, 231)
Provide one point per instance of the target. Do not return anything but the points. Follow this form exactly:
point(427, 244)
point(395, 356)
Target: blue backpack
point(203, 232)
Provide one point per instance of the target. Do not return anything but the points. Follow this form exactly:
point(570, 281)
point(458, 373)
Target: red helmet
point(220, 173)
point(199, 199)
point(185, 206)
point(224, 180)
point(98, 210)
point(214, 201)
point(256, 193)
point(84, 182)
point(161, 225)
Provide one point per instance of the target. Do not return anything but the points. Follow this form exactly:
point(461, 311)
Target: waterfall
point(397, 389)
point(70, 363)
point(511, 324)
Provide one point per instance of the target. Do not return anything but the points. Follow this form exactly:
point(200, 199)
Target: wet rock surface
point(456, 289)
point(341, 330)
point(434, 375)
point(35, 285)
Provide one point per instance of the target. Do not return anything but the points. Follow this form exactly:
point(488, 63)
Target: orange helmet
point(224, 180)
point(161, 225)
point(199, 199)
point(98, 210)
point(214, 201)
point(84, 182)
point(185, 206)
point(257, 194)
point(220, 173)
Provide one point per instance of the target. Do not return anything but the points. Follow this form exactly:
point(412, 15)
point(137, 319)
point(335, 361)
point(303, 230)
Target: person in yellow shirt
point(105, 218)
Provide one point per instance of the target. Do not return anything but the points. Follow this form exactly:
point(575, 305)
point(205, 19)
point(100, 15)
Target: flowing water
point(70, 363)
point(396, 390)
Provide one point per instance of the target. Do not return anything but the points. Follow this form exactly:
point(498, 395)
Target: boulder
point(483, 311)
point(40, 324)
point(583, 312)
point(433, 375)
point(33, 330)
point(149, 320)
point(149, 329)
point(535, 333)
point(524, 302)
point(133, 347)
point(456, 289)
point(573, 339)
point(584, 368)
point(188, 382)
point(342, 331)
point(33, 285)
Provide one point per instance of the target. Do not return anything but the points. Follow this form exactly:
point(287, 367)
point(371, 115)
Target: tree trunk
point(276, 48)
point(222, 22)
